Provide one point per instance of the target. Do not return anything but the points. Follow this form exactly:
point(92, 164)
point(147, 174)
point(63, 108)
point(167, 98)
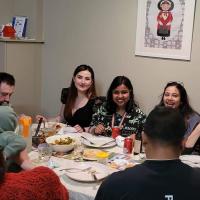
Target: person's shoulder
point(127, 174)
point(194, 117)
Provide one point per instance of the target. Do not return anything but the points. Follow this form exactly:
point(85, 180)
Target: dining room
point(64, 34)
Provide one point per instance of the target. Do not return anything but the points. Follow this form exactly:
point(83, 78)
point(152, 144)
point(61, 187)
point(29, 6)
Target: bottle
point(138, 144)
point(25, 130)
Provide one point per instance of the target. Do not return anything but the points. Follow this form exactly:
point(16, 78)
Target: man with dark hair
point(7, 86)
point(162, 176)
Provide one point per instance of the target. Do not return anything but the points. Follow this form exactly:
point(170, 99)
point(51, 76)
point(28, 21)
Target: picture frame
point(174, 41)
point(20, 23)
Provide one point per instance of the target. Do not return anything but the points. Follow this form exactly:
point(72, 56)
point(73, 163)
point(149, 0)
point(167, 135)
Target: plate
point(69, 129)
point(90, 154)
point(98, 141)
point(101, 172)
point(56, 126)
point(195, 159)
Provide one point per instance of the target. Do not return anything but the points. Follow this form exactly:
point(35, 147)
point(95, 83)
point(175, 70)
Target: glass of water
point(44, 152)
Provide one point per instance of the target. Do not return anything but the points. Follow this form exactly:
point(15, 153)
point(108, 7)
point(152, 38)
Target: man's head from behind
point(165, 127)
point(7, 86)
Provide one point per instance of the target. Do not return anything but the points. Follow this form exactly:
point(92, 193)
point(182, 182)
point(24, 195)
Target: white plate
point(90, 154)
point(98, 141)
point(101, 171)
point(47, 125)
point(191, 158)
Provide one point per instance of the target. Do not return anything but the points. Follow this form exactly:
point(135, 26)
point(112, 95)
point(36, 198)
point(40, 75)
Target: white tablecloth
point(77, 190)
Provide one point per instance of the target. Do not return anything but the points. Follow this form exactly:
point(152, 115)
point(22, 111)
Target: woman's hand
point(100, 129)
point(79, 128)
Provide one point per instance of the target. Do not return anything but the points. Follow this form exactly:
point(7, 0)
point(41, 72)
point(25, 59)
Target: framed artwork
point(164, 28)
point(19, 23)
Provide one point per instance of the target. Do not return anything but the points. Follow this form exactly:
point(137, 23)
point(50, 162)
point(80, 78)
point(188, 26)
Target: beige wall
point(101, 33)
point(33, 9)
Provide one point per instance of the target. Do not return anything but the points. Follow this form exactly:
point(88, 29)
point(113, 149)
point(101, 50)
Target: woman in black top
point(78, 100)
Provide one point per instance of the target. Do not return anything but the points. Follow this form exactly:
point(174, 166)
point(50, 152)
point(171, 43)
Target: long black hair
point(185, 108)
point(117, 81)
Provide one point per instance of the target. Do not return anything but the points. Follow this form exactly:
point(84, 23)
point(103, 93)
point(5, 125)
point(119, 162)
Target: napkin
point(120, 141)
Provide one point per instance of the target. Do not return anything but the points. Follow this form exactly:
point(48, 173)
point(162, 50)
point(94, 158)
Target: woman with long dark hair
point(175, 96)
point(78, 100)
point(119, 110)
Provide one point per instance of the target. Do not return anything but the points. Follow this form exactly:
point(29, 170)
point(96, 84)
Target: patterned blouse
point(133, 121)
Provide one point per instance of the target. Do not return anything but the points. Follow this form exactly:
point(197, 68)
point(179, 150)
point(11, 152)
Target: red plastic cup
point(115, 132)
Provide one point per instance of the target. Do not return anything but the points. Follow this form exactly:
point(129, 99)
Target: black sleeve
point(64, 94)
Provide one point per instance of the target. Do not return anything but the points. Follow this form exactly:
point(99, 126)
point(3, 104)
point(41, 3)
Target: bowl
point(59, 146)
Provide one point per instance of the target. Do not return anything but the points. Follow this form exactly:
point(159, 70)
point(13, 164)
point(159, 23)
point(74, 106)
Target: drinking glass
point(44, 152)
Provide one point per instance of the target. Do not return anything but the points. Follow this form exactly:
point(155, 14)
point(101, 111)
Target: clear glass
point(44, 152)
point(78, 149)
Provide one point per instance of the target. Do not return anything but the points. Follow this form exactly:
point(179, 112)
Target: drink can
point(128, 145)
point(115, 132)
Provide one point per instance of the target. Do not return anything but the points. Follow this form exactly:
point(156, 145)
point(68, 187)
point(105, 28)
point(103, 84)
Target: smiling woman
point(79, 99)
point(175, 96)
point(119, 110)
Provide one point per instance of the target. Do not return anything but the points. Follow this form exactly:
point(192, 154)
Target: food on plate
point(92, 153)
point(120, 164)
point(63, 141)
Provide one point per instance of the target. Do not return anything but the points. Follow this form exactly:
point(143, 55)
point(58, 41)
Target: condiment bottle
point(25, 130)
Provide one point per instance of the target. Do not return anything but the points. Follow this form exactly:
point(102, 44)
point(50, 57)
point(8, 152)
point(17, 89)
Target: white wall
point(102, 33)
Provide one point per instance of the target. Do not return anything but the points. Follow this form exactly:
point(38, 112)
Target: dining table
point(78, 189)
point(86, 190)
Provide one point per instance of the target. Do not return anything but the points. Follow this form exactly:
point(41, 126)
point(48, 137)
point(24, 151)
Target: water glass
point(44, 152)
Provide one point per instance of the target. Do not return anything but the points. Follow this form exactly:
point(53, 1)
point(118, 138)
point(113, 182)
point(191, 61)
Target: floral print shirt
point(133, 121)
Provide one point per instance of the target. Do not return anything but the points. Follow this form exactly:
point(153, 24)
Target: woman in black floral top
point(119, 110)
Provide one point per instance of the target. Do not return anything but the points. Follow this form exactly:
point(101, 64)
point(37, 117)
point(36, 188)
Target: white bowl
point(60, 147)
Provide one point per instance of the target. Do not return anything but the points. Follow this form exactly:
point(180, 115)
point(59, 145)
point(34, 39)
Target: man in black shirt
point(162, 176)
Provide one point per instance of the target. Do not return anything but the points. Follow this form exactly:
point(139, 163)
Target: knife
point(88, 140)
point(106, 143)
